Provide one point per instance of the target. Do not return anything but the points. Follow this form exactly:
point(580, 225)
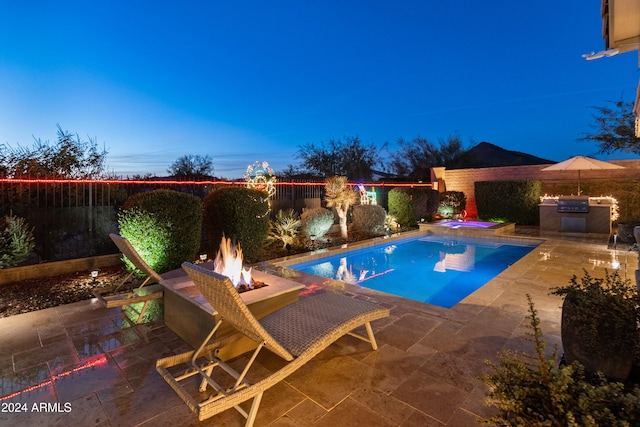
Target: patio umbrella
point(580, 163)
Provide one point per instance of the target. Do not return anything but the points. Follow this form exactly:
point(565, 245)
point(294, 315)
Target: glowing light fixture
point(261, 177)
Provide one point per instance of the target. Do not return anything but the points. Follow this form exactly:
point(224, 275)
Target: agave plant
point(285, 227)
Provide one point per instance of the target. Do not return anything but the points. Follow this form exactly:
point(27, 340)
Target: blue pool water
point(439, 270)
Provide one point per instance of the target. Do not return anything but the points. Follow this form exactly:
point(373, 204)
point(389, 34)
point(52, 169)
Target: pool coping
point(499, 229)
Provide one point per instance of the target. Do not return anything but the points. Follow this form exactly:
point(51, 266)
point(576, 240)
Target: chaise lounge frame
point(296, 333)
point(113, 296)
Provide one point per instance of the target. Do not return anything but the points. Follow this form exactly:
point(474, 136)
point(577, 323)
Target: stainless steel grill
point(573, 204)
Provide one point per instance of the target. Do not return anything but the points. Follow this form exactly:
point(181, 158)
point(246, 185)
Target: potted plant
point(599, 324)
point(531, 389)
point(625, 230)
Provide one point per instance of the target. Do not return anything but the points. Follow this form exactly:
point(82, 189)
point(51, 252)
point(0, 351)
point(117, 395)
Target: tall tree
point(349, 157)
point(69, 157)
point(415, 158)
point(340, 196)
point(191, 166)
point(614, 128)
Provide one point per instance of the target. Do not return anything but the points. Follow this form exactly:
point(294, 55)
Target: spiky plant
point(285, 227)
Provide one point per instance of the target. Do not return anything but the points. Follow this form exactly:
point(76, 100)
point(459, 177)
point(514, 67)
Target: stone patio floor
point(84, 365)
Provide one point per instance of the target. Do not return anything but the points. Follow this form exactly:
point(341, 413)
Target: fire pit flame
point(228, 262)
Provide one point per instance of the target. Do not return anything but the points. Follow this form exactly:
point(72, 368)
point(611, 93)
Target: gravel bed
point(37, 294)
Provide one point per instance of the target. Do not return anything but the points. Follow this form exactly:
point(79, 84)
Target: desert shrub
point(369, 220)
point(451, 204)
point(316, 222)
point(16, 241)
point(532, 390)
point(391, 223)
point(240, 214)
point(285, 227)
point(164, 226)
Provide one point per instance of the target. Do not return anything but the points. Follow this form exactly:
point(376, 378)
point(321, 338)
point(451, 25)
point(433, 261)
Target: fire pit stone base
point(191, 317)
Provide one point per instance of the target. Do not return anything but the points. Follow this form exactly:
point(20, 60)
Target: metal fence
point(73, 218)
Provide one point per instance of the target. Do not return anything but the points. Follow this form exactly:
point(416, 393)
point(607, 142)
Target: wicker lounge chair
point(296, 332)
point(119, 295)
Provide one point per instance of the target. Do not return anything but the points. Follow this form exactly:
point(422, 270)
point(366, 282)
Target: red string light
point(99, 361)
point(178, 182)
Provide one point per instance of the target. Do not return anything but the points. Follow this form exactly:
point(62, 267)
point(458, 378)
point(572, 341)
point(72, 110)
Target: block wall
point(464, 179)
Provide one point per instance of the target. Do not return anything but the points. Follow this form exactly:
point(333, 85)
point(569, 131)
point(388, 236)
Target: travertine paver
point(82, 364)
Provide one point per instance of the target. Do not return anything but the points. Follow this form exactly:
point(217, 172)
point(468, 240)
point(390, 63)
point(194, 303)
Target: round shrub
point(400, 207)
point(316, 222)
point(164, 226)
point(242, 215)
point(369, 220)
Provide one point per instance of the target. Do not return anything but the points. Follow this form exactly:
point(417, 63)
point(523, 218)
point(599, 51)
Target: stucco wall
point(464, 179)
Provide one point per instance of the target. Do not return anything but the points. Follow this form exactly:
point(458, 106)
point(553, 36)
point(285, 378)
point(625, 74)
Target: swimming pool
point(439, 269)
point(456, 223)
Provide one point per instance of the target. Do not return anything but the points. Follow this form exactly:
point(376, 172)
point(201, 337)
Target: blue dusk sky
point(242, 81)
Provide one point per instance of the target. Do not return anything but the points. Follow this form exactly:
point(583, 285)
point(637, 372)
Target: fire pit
point(191, 317)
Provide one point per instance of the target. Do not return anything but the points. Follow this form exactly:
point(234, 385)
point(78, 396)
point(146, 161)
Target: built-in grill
point(574, 214)
point(573, 204)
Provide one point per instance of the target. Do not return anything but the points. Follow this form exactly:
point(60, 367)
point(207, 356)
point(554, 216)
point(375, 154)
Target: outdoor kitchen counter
point(597, 218)
point(191, 317)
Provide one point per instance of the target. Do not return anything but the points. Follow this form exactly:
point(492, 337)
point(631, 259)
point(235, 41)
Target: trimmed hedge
point(164, 226)
point(242, 215)
point(513, 201)
point(409, 205)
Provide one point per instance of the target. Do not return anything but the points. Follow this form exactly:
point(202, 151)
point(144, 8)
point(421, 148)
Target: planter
point(55, 268)
point(597, 344)
point(626, 232)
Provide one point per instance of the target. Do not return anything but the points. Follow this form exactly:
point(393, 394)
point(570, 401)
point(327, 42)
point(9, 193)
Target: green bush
point(400, 208)
point(242, 215)
point(285, 227)
point(164, 226)
point(515, 201)
point(600, 323)
point(531, 390)
point(409, 205)
point(16, 241)
point(369, 220)
point(316, 222)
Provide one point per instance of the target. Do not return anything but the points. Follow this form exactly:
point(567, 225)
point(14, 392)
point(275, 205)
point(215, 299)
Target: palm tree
point(340, 196)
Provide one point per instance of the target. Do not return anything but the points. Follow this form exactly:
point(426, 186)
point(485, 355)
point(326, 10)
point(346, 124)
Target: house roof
point(621, 33)
point(621, 24)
